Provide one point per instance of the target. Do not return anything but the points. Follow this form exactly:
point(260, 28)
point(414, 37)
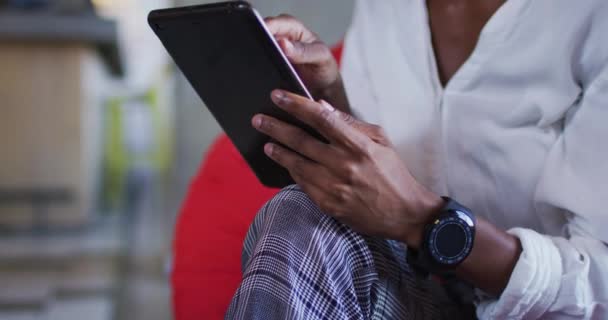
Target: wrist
point(427, 209)
point(493, 258)
point(447, 241)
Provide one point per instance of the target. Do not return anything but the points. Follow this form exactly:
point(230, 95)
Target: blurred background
point(99, 137)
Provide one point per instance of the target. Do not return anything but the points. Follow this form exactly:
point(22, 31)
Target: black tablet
point(233, 62)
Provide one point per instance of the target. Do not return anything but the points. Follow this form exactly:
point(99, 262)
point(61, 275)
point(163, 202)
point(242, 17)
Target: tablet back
point(232, 62)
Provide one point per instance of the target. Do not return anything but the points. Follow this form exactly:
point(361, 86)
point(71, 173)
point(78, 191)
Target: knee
point(290, 215)
point(291, 209)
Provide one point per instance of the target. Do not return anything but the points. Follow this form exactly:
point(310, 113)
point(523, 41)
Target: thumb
point(305, 53)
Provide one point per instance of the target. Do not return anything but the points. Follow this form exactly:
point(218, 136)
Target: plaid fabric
point(302, 264)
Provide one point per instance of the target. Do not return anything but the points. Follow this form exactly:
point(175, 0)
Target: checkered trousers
point(302, 264)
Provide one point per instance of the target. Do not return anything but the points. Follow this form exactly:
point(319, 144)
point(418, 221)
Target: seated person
point(484, 163)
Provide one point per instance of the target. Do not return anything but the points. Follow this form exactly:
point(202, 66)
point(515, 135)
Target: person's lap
point(300, 263)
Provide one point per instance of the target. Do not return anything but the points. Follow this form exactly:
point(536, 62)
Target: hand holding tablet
point(233, 62)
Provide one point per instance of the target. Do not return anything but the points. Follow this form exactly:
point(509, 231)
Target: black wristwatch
point(447, 242)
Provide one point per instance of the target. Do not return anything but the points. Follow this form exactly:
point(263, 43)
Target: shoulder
point(578, 27)
point(592, 53)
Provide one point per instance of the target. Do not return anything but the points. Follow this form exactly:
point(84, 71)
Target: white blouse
point(519, 135)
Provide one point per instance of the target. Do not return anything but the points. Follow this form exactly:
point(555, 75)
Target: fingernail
point(327, 105)
point(268, 149)
point(257, 121)
point(279, 97)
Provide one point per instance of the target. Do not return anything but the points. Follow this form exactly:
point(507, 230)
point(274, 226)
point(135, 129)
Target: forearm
point(528, 273)
point(494, 256)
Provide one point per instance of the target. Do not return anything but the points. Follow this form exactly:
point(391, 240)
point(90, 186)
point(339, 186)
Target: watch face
point(451, 239)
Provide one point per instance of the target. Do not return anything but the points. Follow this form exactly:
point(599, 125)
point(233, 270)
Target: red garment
point(221, 203)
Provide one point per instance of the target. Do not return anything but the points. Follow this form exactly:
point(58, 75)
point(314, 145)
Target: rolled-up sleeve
point(567, 277)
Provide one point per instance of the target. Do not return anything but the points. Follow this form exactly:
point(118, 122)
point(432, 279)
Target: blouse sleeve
point(567, 277)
